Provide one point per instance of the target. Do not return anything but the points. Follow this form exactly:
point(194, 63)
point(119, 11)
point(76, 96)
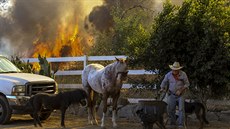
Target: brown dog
point(197, 108)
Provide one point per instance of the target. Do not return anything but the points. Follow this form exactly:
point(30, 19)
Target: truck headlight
point(18, 90)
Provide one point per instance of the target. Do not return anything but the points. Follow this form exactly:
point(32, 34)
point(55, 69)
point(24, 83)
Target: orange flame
point(67, 43)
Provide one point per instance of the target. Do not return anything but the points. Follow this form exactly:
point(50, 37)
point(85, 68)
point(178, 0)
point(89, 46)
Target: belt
point(171, 93)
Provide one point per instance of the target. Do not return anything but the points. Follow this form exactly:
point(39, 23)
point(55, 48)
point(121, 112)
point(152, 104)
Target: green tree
point(197, 35)
point(128, 34)
point(103, 44)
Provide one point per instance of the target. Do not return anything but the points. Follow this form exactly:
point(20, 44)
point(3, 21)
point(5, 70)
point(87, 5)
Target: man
point(175, 83)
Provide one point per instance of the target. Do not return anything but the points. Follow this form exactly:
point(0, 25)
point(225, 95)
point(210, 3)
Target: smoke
point(30, 20)
point(25, 22)
point(100, 17)
point(6, 7)
point(4, 46)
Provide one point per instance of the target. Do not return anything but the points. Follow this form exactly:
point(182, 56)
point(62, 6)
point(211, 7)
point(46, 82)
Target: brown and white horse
point(106, 81)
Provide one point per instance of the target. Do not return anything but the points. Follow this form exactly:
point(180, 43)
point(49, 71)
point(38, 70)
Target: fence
point(85, 59)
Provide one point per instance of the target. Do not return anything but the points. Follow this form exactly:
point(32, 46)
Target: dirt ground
point(76, 122)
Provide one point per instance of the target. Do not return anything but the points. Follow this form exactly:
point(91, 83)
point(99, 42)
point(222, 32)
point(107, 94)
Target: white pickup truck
point(17, 87)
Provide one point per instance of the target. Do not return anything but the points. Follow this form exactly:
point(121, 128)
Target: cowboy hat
point(175, 66)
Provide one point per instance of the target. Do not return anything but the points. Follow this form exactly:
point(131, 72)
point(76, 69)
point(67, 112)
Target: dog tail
point(204, 115)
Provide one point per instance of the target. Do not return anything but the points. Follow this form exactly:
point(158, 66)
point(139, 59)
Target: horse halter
point(122, 73)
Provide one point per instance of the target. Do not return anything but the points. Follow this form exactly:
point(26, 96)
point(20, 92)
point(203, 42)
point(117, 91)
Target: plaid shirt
point(174, 84)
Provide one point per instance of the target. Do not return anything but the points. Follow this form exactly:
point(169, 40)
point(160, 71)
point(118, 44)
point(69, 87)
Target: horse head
point(121, 65)
point(122, 76)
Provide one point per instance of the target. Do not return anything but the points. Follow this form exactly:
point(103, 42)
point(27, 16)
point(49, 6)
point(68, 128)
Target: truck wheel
point(5, 110)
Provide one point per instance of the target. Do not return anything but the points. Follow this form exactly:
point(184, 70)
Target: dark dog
point(152, 113)
point(197, 108)
point(59, 101)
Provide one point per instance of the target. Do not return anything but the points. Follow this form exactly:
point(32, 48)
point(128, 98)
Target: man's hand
point(181, 91)
point(178, 92)
point(162, 93)
point(162, 90)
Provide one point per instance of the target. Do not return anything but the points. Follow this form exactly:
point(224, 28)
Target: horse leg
point(90, 106)
point(114, 112)
point(88, 90)
point(94, 110)
point(104, 99)
point(63, 110)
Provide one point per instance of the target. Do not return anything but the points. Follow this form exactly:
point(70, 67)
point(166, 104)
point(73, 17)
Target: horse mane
point(110, 70)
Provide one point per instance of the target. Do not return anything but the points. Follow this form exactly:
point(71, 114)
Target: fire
point(70, 38)
point(68, 42)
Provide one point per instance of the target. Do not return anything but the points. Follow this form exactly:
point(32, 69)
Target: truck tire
point(5, 110)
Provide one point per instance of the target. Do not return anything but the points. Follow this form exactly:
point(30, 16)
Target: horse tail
point(84, 76)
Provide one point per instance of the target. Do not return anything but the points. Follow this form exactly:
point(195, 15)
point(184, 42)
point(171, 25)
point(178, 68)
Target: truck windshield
point(7, 67)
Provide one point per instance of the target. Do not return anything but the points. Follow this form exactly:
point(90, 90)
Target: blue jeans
point(171, 100)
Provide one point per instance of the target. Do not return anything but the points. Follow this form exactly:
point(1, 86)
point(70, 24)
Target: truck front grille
point(34, 88)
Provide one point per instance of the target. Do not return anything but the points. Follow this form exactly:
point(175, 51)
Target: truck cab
point(17, 87)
